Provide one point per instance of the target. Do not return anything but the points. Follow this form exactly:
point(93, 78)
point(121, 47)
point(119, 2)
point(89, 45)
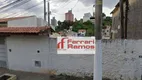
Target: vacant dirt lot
point(35, 76)
point(25, 75)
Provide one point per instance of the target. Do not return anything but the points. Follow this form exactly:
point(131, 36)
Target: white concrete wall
point(121, 59)
point(25, 22)
point(41, 22)
point(24, 53)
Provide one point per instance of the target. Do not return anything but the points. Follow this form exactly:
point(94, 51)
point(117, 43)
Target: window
point(107, 30)
point(38, 63)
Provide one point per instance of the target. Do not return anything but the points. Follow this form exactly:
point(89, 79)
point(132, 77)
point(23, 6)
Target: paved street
point(25, 75)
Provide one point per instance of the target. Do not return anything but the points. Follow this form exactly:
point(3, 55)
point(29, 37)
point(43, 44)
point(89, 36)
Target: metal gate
point(3, 56)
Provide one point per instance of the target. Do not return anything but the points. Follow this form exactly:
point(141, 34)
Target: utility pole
point(49, 13)
point(122, 19)
point(44, 10)
point(126, 17)
point(98, 55)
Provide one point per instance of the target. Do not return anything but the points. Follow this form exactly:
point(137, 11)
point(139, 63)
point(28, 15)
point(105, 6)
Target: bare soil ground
point(36, 76)
point(25, 75)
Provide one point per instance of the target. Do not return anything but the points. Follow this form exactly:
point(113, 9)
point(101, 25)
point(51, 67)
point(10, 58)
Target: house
point(26, 45)
point(18, 32)
point(68, 33)
point(106, 33)
point(134, 20)
point(72, 33)
point(82, 32)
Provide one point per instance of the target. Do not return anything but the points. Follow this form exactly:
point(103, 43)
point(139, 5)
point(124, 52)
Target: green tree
point(107, 21)
point(63, 25)
point(103, 15)
point(88, 26)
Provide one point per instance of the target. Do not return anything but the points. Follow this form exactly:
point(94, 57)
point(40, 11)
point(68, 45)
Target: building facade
point(106, 33)
point(69, 16)
point(134, 20)
point(53, 22)
point(86, 17)
point(82, 32)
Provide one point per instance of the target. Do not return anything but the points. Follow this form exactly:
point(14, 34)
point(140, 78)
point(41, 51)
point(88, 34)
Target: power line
point(5, 1)
point(20, 4)
point(75, 4)
point(10, 4)
point(66, 3)
point(27, 8)
point(63, 4)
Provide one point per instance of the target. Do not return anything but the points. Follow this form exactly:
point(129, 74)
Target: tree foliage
point(63, 25)
point(107, 21)
point(77, 25)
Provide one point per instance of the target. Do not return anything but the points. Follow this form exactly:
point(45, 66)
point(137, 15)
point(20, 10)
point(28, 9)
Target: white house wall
point(25, 22)
point(41, 22)
point(24, 53)
point(121, 59)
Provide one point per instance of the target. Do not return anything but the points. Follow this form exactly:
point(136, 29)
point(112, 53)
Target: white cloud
point(59, 8)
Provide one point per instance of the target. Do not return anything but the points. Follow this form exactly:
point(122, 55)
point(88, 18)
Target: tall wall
point(24, 53)
point(122, 59)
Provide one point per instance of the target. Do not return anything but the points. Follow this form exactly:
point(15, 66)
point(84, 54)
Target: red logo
point(60, 45)
point(69, 43)
point(76, 45)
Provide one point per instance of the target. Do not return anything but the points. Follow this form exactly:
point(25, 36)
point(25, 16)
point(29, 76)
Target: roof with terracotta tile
point(13, 18)
point(82, 30)
point(22, 30)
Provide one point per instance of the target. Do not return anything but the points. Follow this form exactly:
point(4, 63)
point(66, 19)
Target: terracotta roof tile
point(81, 30)
point(22, 29)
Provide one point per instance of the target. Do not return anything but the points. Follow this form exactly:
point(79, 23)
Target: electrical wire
point(25, 10)
point(17, 5)
point(66, 5)
point(75, 4)
point(67, 2)
point(10, 4)
point(28, 9)
point(63, 4)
